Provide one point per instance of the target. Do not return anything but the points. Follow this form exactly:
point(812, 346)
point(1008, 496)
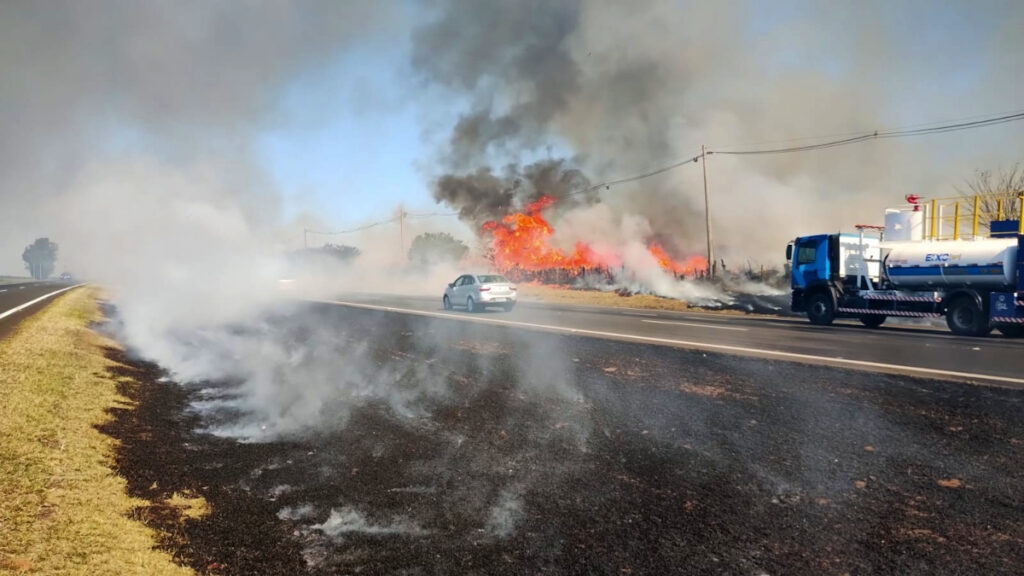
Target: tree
point(40, 258)
point(340, 251)
point(322, 254)
point(1007, 185)
point(436, 247)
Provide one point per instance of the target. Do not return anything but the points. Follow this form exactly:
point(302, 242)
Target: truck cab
point(824, 267)
point(813, 263)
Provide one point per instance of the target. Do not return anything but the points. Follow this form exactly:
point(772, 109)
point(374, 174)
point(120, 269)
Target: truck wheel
point(1012, 331)
point(965, 318)
point(820, 309)
point(872, 321)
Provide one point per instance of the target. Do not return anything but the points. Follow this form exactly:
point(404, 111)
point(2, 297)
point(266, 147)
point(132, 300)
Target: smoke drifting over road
point(129, 134)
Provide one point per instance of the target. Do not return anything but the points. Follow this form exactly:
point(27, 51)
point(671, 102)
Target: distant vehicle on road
point(66, 277)
point(478, 291)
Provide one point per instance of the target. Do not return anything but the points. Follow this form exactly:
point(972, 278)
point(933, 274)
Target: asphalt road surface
point(917, 351)
point(14, 295)
point(412, 445)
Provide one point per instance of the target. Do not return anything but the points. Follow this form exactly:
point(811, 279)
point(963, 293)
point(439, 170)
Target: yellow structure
point(984, 208)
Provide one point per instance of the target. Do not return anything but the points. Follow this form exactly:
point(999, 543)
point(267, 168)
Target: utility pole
point(707, 212)
point(401, 229)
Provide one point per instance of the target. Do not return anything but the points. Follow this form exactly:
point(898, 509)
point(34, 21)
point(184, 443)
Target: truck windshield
point(806, 254)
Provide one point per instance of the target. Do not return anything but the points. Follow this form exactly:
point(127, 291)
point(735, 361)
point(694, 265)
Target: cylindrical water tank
point(988, 263)
point(904, 225)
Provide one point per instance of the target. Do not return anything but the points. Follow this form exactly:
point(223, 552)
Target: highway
point(922, 352)
point(13, 296)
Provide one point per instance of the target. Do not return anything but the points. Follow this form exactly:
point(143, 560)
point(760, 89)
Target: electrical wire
point(991, 121)
point(850, 134)
point(852, 139)
point(351, 230)
point(415, 216)
point(408, 216)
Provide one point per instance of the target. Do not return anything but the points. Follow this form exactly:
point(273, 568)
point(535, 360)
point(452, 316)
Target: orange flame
point(688, 267)
point(521, 241)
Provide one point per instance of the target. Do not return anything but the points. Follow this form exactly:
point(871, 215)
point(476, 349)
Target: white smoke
point(347, 520)
point(128, 130)
point(622, 239)
point(505, 513)
point(177, 244)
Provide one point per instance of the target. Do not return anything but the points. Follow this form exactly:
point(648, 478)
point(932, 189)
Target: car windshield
point(492, 279)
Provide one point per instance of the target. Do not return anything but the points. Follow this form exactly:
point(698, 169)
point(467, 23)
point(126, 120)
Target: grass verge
point(62, 508)
point(554, 294)
point(5, 280)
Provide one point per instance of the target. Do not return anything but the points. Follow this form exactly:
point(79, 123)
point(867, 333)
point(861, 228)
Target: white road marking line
point(934, 372)
point(40, 299)
point(714, 317)
point(696, 325)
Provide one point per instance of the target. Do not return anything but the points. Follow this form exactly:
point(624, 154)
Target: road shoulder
point(62, 507)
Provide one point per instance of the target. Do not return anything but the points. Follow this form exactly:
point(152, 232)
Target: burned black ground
point(555, 454)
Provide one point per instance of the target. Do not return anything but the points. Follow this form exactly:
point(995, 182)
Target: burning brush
point(521, 243)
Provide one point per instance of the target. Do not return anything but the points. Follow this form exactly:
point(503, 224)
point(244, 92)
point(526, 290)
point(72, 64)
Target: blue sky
point(349, 139)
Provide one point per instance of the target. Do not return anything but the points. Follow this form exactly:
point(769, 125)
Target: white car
point(478, 291)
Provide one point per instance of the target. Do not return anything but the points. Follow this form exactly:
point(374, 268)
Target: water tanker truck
point(908, 269)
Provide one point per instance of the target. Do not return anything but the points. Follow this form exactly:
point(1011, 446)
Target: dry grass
point(62, 509)
point(554, 294)
point(4, 280)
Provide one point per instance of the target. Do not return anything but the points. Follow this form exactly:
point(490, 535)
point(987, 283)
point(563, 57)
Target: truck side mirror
point(789, 252)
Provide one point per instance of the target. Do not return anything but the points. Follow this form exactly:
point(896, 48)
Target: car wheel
point(470, 305)
point(872, 321)
point(965, 318)
point(820, 309)
point(508, 307)
point(447, 303)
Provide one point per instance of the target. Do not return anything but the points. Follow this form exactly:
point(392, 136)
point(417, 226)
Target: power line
point(851, 139)
point(405, 215)
point(804, 148)
point(408, 215)
point(949, 126)
point(421, 216)
point(655, 172)
point(350, 230)
point(850, 134)
point(991, 121)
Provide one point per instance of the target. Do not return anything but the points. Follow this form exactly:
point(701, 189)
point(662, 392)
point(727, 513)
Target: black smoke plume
point(483, 195)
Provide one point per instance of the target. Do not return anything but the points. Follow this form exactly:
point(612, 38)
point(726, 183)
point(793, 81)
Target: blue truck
point(976, 284)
